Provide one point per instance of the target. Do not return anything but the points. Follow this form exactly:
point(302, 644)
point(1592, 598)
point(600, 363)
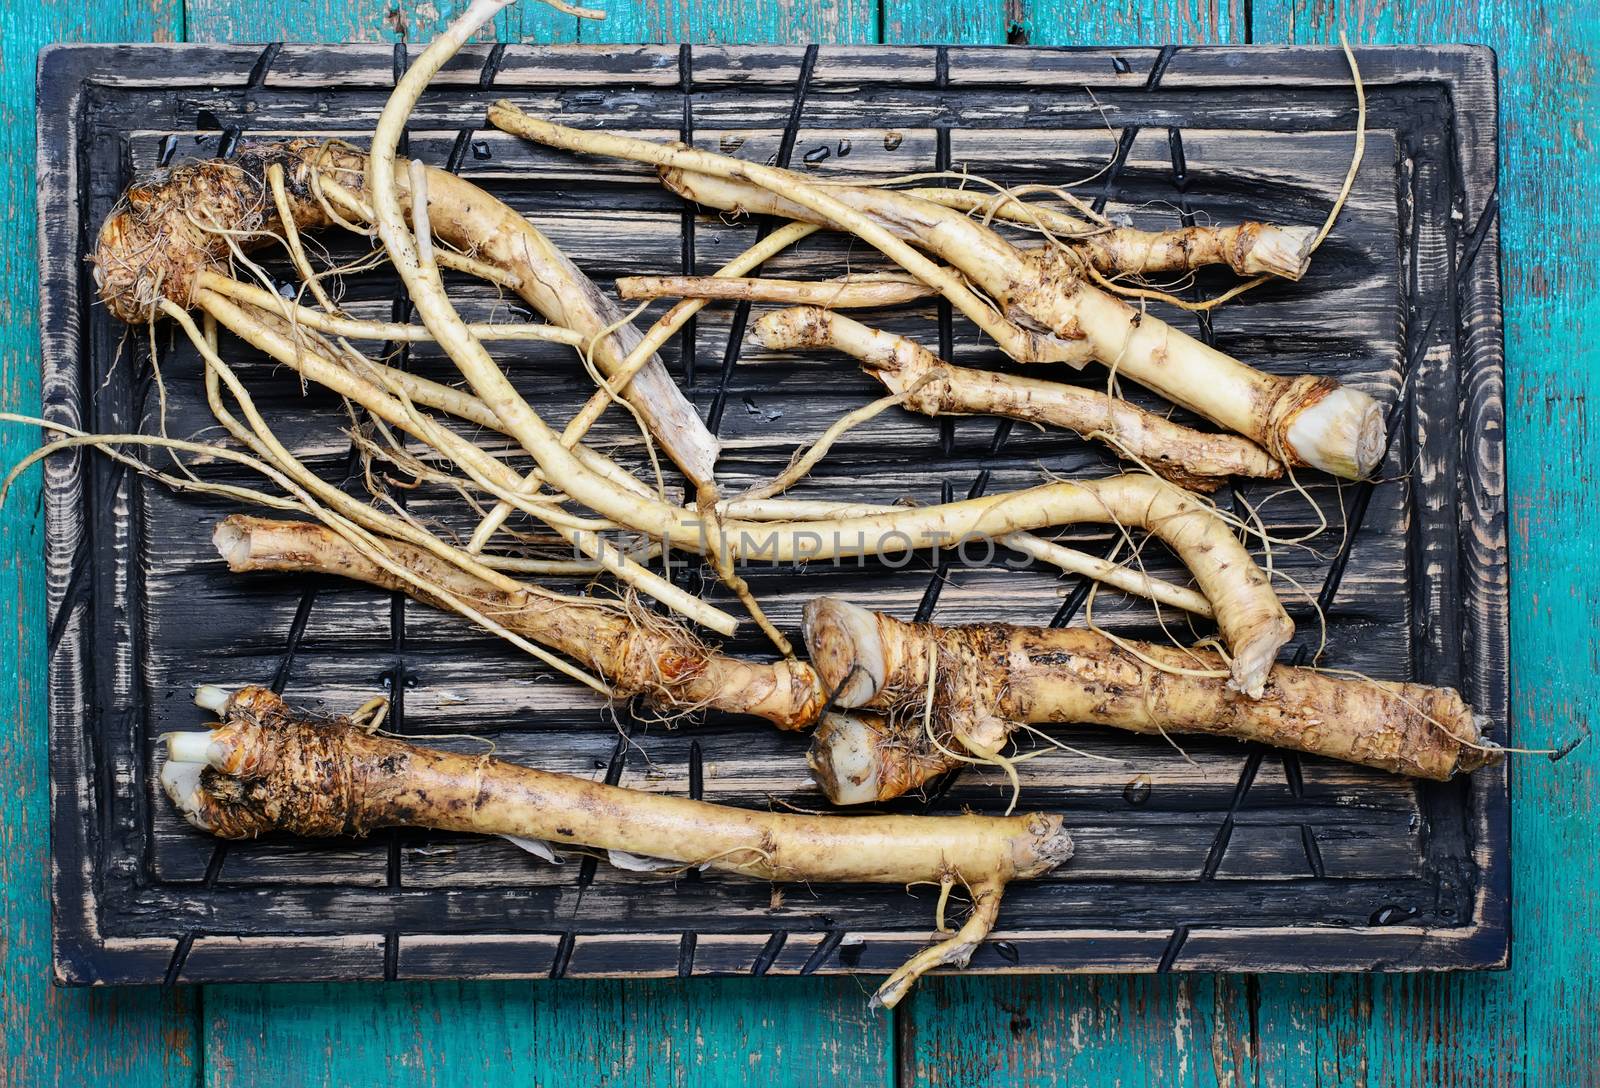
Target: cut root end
point(1342, 434)
point(1284, 252)
point(846, 650)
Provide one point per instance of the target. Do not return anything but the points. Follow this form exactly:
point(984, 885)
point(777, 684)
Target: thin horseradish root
point(988, 678)
point(1042, 294)
point(861, 291)
point(636, 651)
point(1249, 248)
point(1304, 420)
point(934, 387)
point(265, 768)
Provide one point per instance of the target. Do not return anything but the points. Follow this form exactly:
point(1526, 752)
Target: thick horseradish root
point(266, 768)
point(1048, 309)
point(636, 651)
point(1250, 618)
point(987, 678)
point(934, 387)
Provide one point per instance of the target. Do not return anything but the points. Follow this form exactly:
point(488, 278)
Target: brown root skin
point(266, 769)
point(638, 652)
point(1249, 616)
point(1181, 455)
point(155, 247)
point(989, 676)
point(155, 243)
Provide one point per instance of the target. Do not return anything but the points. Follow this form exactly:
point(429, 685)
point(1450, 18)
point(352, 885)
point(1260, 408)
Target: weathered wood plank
point(913, 22)
point(419, 20)
point(49, 1035)
point(727, 22)
point(1147, 22)
point(666, 1032)
point(259, 21)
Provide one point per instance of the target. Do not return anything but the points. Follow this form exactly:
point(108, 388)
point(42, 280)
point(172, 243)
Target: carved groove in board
point(769, 953)
point(825, 948)
point(686, 217)
point(686, 948)
point(1169, 954)
point(1480, 231)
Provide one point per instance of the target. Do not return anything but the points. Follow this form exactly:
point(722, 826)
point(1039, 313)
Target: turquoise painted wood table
point(1537, 1024)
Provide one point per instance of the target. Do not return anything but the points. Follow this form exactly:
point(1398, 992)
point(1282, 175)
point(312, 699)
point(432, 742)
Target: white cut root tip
point(846, 649)
point(181, 781)
point(212, 698)
point(232, 543)
point(195, 748)
point(1342, 434)
point(844, 761)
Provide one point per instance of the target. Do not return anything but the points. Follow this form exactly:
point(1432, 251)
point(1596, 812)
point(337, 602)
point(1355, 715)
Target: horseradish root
point(1249, 248)
point(1041, 292)
point(171, 236)
point(265, 768)
point(637, 652)
point(934, 387)
point(1247, 611)
point(987, 678)
point(855, 292)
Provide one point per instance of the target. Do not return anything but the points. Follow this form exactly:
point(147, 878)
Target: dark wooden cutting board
point(1219, 856)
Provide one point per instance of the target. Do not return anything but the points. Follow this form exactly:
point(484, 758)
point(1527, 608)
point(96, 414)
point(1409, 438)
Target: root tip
point(232, 541)
point(846, 648)
point(845, 761)
point(1284, 252)
point(1342, 434)
point(181, 781)
point(213, 698)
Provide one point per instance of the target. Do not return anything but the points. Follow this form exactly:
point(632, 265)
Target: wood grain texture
point(257, 21)
point(647, 1033)
point(725, 22)
point(1538, 1023)
point(1146, 22)
point(170, 619)
point(49, 1035)
point(1534, 1026)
